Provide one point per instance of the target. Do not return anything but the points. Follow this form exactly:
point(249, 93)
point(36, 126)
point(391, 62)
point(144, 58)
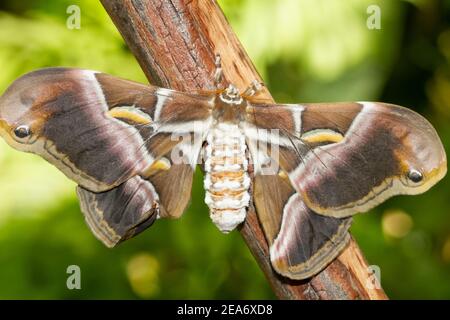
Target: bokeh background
point(306, 50)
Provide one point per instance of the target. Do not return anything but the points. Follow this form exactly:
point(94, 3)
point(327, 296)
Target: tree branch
point(175, 42)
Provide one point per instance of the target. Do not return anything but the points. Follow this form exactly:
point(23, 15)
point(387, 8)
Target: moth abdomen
point(226, 181)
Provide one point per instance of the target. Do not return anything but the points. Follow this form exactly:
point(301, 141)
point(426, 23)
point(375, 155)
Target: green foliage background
point(306, 50)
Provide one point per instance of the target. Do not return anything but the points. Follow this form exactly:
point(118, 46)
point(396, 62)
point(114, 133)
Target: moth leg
point(254, 88)
point(218, 73)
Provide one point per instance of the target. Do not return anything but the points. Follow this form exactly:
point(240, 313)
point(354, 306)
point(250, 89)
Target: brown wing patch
point(174, 189)
point(270, 194)
point(120, 92)
point(334, 116)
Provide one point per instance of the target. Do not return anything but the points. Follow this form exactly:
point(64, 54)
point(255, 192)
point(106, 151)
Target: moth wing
point(132, 148)
point(120, 213)
point(307, 242)
point(345, 158)
point(128, 209)
point(301, 242)
point(174, 187)
point(173, 179)
point(98, 129)
point(270, 194)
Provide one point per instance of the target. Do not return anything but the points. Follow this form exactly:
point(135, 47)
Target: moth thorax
point(226, 181)
point(231, 96)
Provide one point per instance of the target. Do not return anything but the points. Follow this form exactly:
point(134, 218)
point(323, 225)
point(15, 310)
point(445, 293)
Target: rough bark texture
point(175, 42)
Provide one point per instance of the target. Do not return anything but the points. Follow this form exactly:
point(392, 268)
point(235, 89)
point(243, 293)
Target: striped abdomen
point(226, 181)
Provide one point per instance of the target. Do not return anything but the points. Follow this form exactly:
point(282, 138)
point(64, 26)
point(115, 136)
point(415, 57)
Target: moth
point(306, 168)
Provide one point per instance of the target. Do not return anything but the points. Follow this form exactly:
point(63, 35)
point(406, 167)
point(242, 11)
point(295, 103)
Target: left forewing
point(98, 129)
